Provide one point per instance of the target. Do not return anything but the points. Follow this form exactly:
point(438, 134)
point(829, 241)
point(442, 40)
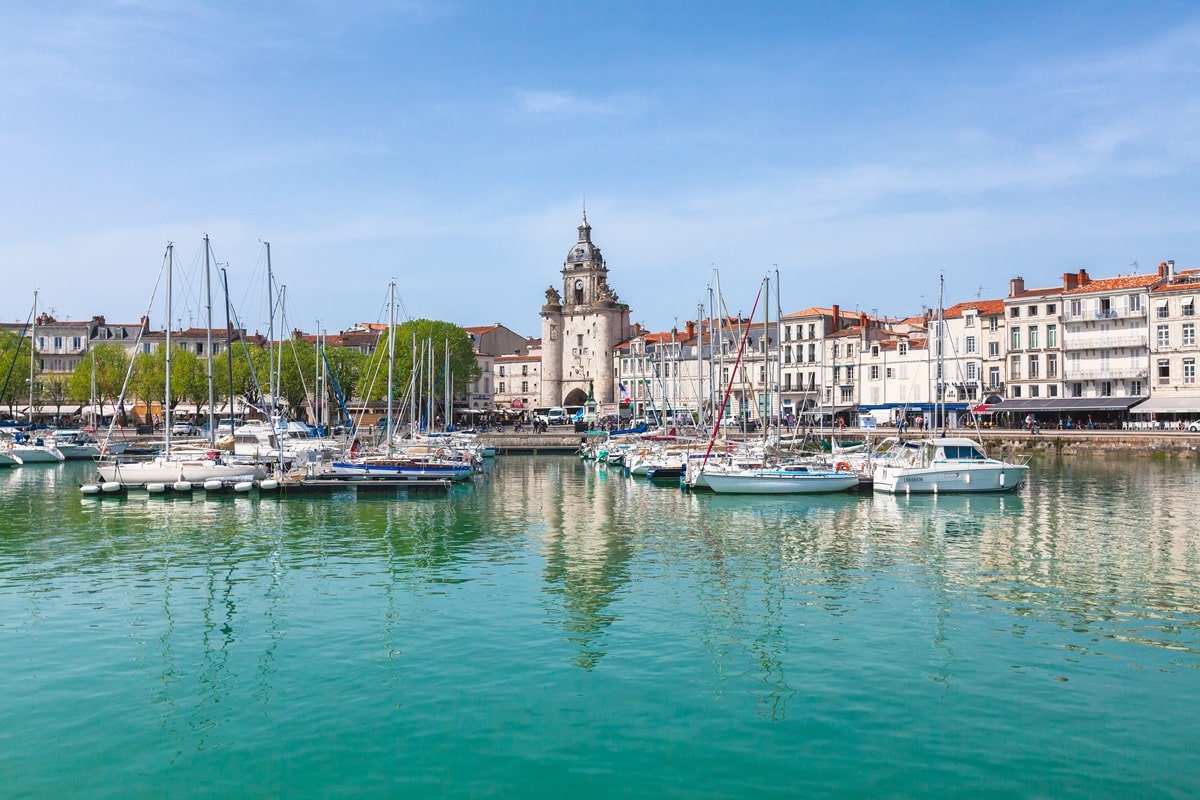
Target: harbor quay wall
point(1174, 444)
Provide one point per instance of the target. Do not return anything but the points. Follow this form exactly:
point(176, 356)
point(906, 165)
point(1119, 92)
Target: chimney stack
point(1016, 286)
point(837, 317)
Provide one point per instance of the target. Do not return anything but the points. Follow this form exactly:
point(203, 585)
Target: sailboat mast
point(778, 357)
point(270, 330)
point(391, 359)
point(167, 356)
point(32, 351)
point(212, 429)
point(208, 332)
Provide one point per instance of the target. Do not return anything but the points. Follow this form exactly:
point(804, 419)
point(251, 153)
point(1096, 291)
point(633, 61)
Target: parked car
point(1194, 426)
point(182, 428)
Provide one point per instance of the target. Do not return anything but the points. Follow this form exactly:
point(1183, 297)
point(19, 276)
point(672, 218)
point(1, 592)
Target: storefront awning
point(1067, 404)
point(1168, 405)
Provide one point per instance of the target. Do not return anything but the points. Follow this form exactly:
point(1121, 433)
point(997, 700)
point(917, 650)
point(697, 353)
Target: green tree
point(111, 362)
point(432, 337)
point(347, 367)
point(14, 370)
point(188, 378)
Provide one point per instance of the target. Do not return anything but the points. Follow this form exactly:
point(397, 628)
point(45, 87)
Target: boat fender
point(842, 466)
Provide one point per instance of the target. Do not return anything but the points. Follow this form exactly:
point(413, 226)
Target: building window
point(1164, 371)
point(994, 377)
point(1189, 334)
point(902, 348)
point(969, 320)
point(524, 387)
point(524, 369)
point(993, 324)
point(1051, 309)
point(1032, 311)
point(1052, 390)
point(874, 372)
point(1135, 302)
point(1015, 372)
point(787, 354)
point(1034, 371)
point(1189, 370)
point(812, 330)
point(993, 349)
point(501, 372)
point(1016, 339)
point(1016, 391)
point(970, 344)
point(1076, 309)
point(1188, 307)
point(1033, 337)
point(1035, 391)
point(1014, 312)
point(1051, 336)
point(1106, 388)
point(972, 373)
point(501, 389)
point(1164, 336)
point(1161, 312)
point(1051, 365)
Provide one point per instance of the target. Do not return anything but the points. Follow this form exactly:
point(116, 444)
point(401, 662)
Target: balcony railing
point(1104, 373)
point(1101, 341)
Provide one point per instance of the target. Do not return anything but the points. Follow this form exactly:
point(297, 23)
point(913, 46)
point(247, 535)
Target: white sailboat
point(177, 471)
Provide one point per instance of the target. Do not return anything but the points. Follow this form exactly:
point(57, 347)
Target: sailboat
point(415, 463)
point(944, 464)
point(177, 471)
point(28, 448)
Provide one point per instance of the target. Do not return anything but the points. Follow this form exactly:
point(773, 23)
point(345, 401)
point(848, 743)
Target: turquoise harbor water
point(560, 631)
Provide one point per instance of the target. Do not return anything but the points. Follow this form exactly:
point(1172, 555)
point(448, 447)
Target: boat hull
point(160, 471)
point(959, 478)
point(780, 482)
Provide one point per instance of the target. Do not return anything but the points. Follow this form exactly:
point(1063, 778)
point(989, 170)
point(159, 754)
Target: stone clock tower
point(580, 328)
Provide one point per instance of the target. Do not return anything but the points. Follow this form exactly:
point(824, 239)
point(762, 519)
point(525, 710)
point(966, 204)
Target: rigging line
point(729, 385)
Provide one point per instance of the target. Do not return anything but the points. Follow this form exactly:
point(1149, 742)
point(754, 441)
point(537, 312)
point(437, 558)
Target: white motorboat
point(942, 465)
point(31, 450)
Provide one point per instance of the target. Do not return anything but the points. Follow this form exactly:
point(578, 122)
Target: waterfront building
point(663, 373)
point(1034, 352)
point(516, 378)
point(489, 343)
point(1173, 347)
point(581, 326)
point(1105, 337)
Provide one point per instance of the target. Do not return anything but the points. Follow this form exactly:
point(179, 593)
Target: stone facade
point(581, 326)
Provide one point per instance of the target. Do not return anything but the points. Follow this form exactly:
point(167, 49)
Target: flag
point(624, 395)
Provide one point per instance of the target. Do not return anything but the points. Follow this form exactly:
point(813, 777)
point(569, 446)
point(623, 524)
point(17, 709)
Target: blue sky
point(861, 148)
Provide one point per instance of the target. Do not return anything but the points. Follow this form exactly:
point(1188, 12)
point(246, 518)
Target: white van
point(557, 416)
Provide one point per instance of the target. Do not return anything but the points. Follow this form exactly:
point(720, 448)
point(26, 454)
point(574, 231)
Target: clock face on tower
point(578, 284)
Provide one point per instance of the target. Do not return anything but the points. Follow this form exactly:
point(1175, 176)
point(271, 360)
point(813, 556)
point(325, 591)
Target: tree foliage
point(431, 338)
point(14, 369)
point(111, 362)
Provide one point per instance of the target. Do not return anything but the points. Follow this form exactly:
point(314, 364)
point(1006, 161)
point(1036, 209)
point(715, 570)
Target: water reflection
point(1091, 559)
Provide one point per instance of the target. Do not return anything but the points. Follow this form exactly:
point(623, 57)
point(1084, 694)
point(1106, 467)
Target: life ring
point(842, 466)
